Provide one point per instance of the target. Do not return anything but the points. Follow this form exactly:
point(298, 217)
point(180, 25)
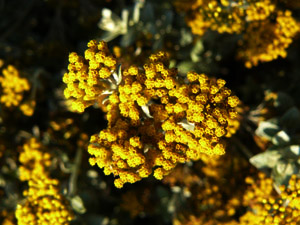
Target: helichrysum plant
point(14, 87)
point(148, 129)
point(267, 30)
point(156, 119)
point(269, 207)
point(43, 204)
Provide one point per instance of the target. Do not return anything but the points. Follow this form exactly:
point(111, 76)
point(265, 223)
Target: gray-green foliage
point(282, 157)
point(141, 19)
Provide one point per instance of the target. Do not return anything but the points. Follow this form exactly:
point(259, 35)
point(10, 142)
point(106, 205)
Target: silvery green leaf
point(281, 138)
point(187, 125)
point(145, 109)
point(291, 153)
point(113, 24)
point(282, 172)
point(109, 20)
point(2, 181)
point(125, 16)
point(186, 37)
point(176, 189)
point(267, 130)
point(185, 66)
point(77, 204)
point(108, 36)
point(267, 159)
point(196, 51)
point(117, 75)
point(107, 92)
point(295, 149)
point(136, 11)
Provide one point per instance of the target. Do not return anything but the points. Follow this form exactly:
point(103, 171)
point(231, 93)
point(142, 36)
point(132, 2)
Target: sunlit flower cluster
point(259, 10)
point(221, 16)
point(269, 207)
point(267, 31)
point(28, 107)
point(259, 202)
point(44, 204)
point(157, 119)
point(13, 86)
point(266, 40)
point(84, 79)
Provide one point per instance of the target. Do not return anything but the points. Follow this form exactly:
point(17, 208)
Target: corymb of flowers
point(156, 118)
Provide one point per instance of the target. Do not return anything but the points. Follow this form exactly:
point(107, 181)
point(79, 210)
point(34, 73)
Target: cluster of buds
point(267, 30)
point(13, 88)
point(44, 204)
point(156, 119)
point(270, 207)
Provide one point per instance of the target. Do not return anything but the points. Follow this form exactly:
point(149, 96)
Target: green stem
point(74, 174)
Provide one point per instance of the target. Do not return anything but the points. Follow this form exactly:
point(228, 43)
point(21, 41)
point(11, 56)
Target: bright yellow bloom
point(156, 121)
point(84, 79)
point(266, 40)
point(44, 204)
point(13, 87)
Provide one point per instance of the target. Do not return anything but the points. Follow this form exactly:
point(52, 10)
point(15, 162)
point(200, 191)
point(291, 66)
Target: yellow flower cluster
point(264, 203)
point(270, 208)
point(84, 79)
point(157, 119)
point(266, 40)
point(259, 10)
point(28, 107)
point(34, 161)
point(13, 86)
point(263, 38)
point(212, 14)
point(44, 204)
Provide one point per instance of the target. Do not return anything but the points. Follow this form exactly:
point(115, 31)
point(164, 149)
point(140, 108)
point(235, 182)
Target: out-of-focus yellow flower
point(269, 207)
point(221, 16)
point(266, 40)
point(28, 108)
point(44, 204)
point(259, 10)
point(13, 86)
point(263, 38)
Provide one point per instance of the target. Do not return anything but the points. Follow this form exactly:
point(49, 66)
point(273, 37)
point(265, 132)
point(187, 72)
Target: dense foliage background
point(251, 183)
